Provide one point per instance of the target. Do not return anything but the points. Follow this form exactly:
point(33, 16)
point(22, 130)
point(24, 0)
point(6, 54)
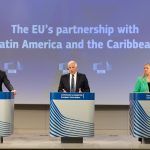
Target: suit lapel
point(77, 81)
point(68, 81)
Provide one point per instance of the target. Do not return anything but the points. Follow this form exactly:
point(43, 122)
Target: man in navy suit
point(80, 82)
point(4, 80)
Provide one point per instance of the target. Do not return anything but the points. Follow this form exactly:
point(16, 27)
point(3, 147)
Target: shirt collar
point(74, 74)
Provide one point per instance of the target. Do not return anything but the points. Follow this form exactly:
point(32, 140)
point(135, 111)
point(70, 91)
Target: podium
point(6, 114)
point(71, 116)
point(140, 116)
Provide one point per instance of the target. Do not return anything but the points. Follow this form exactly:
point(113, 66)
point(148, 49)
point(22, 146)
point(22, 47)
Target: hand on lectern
point(14, 92)
point(64, 90)
point(80, 90)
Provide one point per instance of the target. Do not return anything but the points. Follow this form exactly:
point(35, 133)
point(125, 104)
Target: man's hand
point(14, 92)
point(64, 91)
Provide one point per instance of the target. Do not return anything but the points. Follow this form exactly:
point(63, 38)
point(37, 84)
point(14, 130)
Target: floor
point(44, 141)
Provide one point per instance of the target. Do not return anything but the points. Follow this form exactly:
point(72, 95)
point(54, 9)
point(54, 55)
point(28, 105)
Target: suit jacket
point(4, 79)
point(81, 83)
point(141, 85)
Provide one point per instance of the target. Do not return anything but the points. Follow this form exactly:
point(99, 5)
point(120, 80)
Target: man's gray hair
point(72, 62)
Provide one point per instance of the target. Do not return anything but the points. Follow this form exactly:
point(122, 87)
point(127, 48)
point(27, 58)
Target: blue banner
point(72, 96)
point(6, 95)
point(139, 96)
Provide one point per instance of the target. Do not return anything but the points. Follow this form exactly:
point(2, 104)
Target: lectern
point(6, 114)
point(71, 116)
point(140, 116)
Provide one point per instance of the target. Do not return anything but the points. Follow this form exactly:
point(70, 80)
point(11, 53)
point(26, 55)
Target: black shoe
point(140, 140)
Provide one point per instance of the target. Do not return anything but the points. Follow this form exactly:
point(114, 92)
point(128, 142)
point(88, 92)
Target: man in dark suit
point(4, 80)
point(73, 81)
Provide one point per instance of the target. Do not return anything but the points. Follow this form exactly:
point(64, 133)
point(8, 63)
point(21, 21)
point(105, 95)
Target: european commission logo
point(11, 67)
point(63, 68)
point(102, 68)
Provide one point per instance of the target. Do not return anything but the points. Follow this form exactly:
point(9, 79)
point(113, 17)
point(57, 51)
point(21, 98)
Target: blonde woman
point(143, 83)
